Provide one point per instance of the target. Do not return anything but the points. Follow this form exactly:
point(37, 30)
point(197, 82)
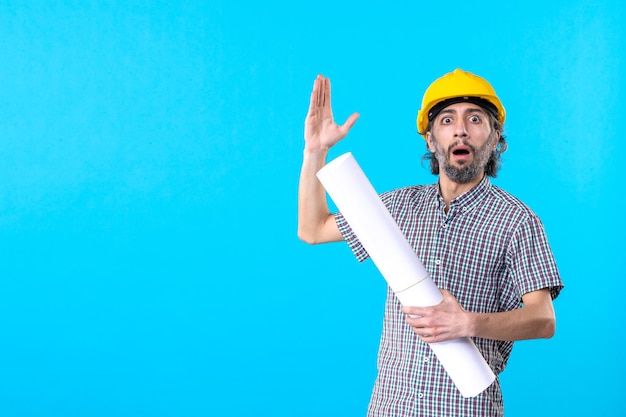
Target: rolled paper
point(371, 222)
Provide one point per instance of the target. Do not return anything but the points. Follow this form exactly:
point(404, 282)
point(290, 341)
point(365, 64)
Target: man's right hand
point(315, 223)
point(320, 130)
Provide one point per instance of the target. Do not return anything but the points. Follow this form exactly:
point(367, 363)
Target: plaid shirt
point(488, 250)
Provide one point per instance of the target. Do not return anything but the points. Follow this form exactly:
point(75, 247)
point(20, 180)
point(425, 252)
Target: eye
point(446, 120)
point(475, 118)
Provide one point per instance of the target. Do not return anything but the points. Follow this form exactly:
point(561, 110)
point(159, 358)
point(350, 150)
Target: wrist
point(473, 324)
point(315, 152)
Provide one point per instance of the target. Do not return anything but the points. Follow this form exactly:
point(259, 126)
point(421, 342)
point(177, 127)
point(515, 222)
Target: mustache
point(460, 142)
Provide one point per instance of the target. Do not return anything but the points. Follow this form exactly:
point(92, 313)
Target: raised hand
point(320, 130)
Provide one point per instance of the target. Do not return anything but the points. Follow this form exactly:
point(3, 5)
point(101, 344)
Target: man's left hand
point(445, 321)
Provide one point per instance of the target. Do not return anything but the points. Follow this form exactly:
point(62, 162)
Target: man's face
point(462, 140)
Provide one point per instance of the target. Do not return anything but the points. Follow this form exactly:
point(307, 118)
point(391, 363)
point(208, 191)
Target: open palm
point(320, 130)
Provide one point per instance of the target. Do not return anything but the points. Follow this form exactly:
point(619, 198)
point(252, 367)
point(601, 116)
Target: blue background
point(149, 159)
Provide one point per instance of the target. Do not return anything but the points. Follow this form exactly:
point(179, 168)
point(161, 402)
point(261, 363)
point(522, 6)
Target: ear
point(429, 141)
point(495, 142)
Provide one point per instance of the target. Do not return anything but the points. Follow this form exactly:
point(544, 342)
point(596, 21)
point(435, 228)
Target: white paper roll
point(394, 257)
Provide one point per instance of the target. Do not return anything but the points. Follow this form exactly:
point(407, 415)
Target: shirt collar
point(470, 198)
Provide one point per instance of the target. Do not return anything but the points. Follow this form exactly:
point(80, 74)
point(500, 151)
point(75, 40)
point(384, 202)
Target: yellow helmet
point(455, 87)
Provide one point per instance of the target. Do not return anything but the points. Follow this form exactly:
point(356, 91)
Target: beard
point(464, 173)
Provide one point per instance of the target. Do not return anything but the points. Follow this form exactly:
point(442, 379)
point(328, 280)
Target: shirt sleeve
point(530, 260)
point(351, 238)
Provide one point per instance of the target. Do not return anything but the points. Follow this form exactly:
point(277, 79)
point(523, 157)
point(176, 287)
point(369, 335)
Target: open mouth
point(461, 151)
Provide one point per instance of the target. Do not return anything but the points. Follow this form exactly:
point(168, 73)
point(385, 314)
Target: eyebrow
point(469, 110)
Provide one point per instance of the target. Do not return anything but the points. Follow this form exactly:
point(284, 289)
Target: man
point(485, 249)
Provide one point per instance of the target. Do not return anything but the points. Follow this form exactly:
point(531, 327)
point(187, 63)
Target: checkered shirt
point(488, 250)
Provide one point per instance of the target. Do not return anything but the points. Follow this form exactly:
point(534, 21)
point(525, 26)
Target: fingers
point(317, 98)
point(427, 331)
point(419, 319)
point(320, 96)
point(315, 93)
point(428, 334)
point(418, 322)
point(320, 86)
point(326, 95)
point(428, 338)
point(415, 311)
point(321, 81)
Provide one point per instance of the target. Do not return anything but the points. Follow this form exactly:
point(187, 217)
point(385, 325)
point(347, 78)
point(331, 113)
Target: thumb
point(349, 123)
point(447, 295)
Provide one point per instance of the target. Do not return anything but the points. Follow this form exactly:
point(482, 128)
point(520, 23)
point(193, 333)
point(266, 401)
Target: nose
point(460, 130)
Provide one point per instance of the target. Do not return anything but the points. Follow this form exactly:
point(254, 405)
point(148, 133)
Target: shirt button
point(420, 395)
point(437, 261)
point(425, 358)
